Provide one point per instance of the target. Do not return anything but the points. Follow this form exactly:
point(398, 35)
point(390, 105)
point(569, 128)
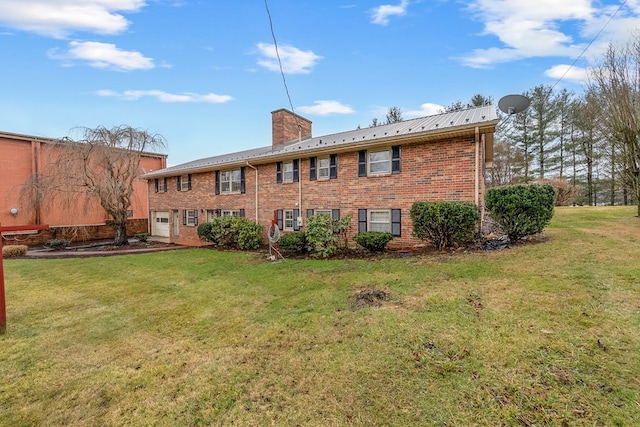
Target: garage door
point(161, 224)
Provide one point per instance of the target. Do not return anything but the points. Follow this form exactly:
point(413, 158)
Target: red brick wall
point(442, 170)
point(284, 126)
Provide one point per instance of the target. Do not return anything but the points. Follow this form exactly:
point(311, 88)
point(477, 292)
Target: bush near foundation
point(293, 242)
point(233, 231)
point(373, 241)
point(57, 244)
point(445, 224)
point(14, 251)
point(521, 210)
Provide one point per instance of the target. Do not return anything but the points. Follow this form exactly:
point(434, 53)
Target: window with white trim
point(184, 182)
point(161, 185)
point(230, 212)
point(287, 171)
point(379, 220)
point(190, 217)
point(379, 162)
point(289, 220)
point(324, 165)
point(230, 181)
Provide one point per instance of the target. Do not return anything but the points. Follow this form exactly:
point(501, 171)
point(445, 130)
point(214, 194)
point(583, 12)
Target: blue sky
point(203, 73)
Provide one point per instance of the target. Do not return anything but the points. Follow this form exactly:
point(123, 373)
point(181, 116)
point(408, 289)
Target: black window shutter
point(179, 183)
point(296, 224)
point(242, 213)
point(312, 168)
point(242, 185)
point(309, 212)
point(279, 172)
point(184, 217)
point(296, 170)
point(217, 182)
point(157, 185)
point(362, 220)
point(396, 222)
point(335, 214)
point(333, 166)
point(218, 212)
point(395, 159)
point(189, 182)
point(165, 184)
point(280, 221)
point(362, 163)
point(195, 216)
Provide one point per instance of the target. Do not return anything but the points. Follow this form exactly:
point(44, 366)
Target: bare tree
point(394, 115)
point(102, 165)
point(617, 83)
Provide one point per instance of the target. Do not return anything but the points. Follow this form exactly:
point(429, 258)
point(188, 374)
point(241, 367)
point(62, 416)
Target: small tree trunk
point(120, 235)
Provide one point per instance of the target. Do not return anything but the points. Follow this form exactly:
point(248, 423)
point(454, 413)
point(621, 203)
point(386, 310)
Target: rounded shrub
point(293, 242)
point(204, 231)
point(233, 231)
point(445, 224)
point(57, 244)
point(373, 241)
point(320, 238)
point(10, 251)
point(521, 210)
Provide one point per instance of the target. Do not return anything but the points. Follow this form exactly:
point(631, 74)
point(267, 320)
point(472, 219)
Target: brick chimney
point(287, 126)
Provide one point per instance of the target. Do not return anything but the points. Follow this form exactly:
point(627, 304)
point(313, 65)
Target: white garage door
point(161, 224)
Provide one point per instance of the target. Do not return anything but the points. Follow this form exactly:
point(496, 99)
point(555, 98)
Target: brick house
point(375, 173)
point(24, 156)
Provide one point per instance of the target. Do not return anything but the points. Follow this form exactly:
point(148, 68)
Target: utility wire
point(275, 43)
point(588, 45)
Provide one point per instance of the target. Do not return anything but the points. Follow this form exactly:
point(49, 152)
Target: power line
point(275, 43)
point(588, 45)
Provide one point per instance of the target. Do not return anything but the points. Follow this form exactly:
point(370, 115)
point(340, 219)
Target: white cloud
point(59, 18)
point(294, 60)
point(103, 55)
point(380, 15)
point(543, 28)
point(134, 95)
point(326, 107)
point(567, 72)
point(426, 109)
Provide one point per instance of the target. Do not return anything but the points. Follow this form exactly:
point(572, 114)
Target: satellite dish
point(513, 104)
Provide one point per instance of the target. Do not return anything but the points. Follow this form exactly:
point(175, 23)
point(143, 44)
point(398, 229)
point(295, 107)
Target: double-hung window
point(388, 220)
point(161, 185)
point(288, 171)
point(190, 217)
point(288, 219)
point(230, 181)
point(323, 167)
point(184, 182)
point(379, 162)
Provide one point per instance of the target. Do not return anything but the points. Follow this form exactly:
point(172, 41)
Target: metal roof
point(445, 124)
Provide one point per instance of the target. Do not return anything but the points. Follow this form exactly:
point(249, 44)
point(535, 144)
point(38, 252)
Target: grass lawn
point(539, 334)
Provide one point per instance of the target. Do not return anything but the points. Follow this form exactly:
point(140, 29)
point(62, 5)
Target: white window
point(192, 217)
point(230, 213)
point(185, 182)
point(230, 181)
point(287, 169)
point(379, 220)
point(323, 211)
point(379, 162)
point(289, 220)
point(324, 166)
point(161, 185)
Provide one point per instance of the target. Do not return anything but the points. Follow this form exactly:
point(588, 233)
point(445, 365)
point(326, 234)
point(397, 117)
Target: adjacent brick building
point(24, 156)
point(375, 173)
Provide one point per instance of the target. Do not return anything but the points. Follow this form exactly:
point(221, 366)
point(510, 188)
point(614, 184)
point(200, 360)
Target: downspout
point(255, 169)
point(477, 160)
point(299, 219)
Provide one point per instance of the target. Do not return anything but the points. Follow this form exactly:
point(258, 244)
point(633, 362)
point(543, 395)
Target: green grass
point(539, 334)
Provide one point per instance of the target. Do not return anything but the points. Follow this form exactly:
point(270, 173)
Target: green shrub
point(249, 235)
point(445, 224)
point(234, 231)
point(373, 241)
point(142, 237)
point(14, 251)
point(57, 244)
point(293, 242)
point(521, 210)
point(320, 238)
point(204, 231)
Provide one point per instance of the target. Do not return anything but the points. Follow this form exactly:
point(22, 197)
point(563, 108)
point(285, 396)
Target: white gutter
point(477, 186)
point(255, 169)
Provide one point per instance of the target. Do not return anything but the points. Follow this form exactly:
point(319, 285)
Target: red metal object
point(3, 306)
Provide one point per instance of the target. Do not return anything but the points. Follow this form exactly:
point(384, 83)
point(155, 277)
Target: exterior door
point(176, 223)
point(161, 224)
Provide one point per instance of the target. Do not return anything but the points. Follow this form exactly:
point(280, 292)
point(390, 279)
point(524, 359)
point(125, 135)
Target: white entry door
point(161, 224)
